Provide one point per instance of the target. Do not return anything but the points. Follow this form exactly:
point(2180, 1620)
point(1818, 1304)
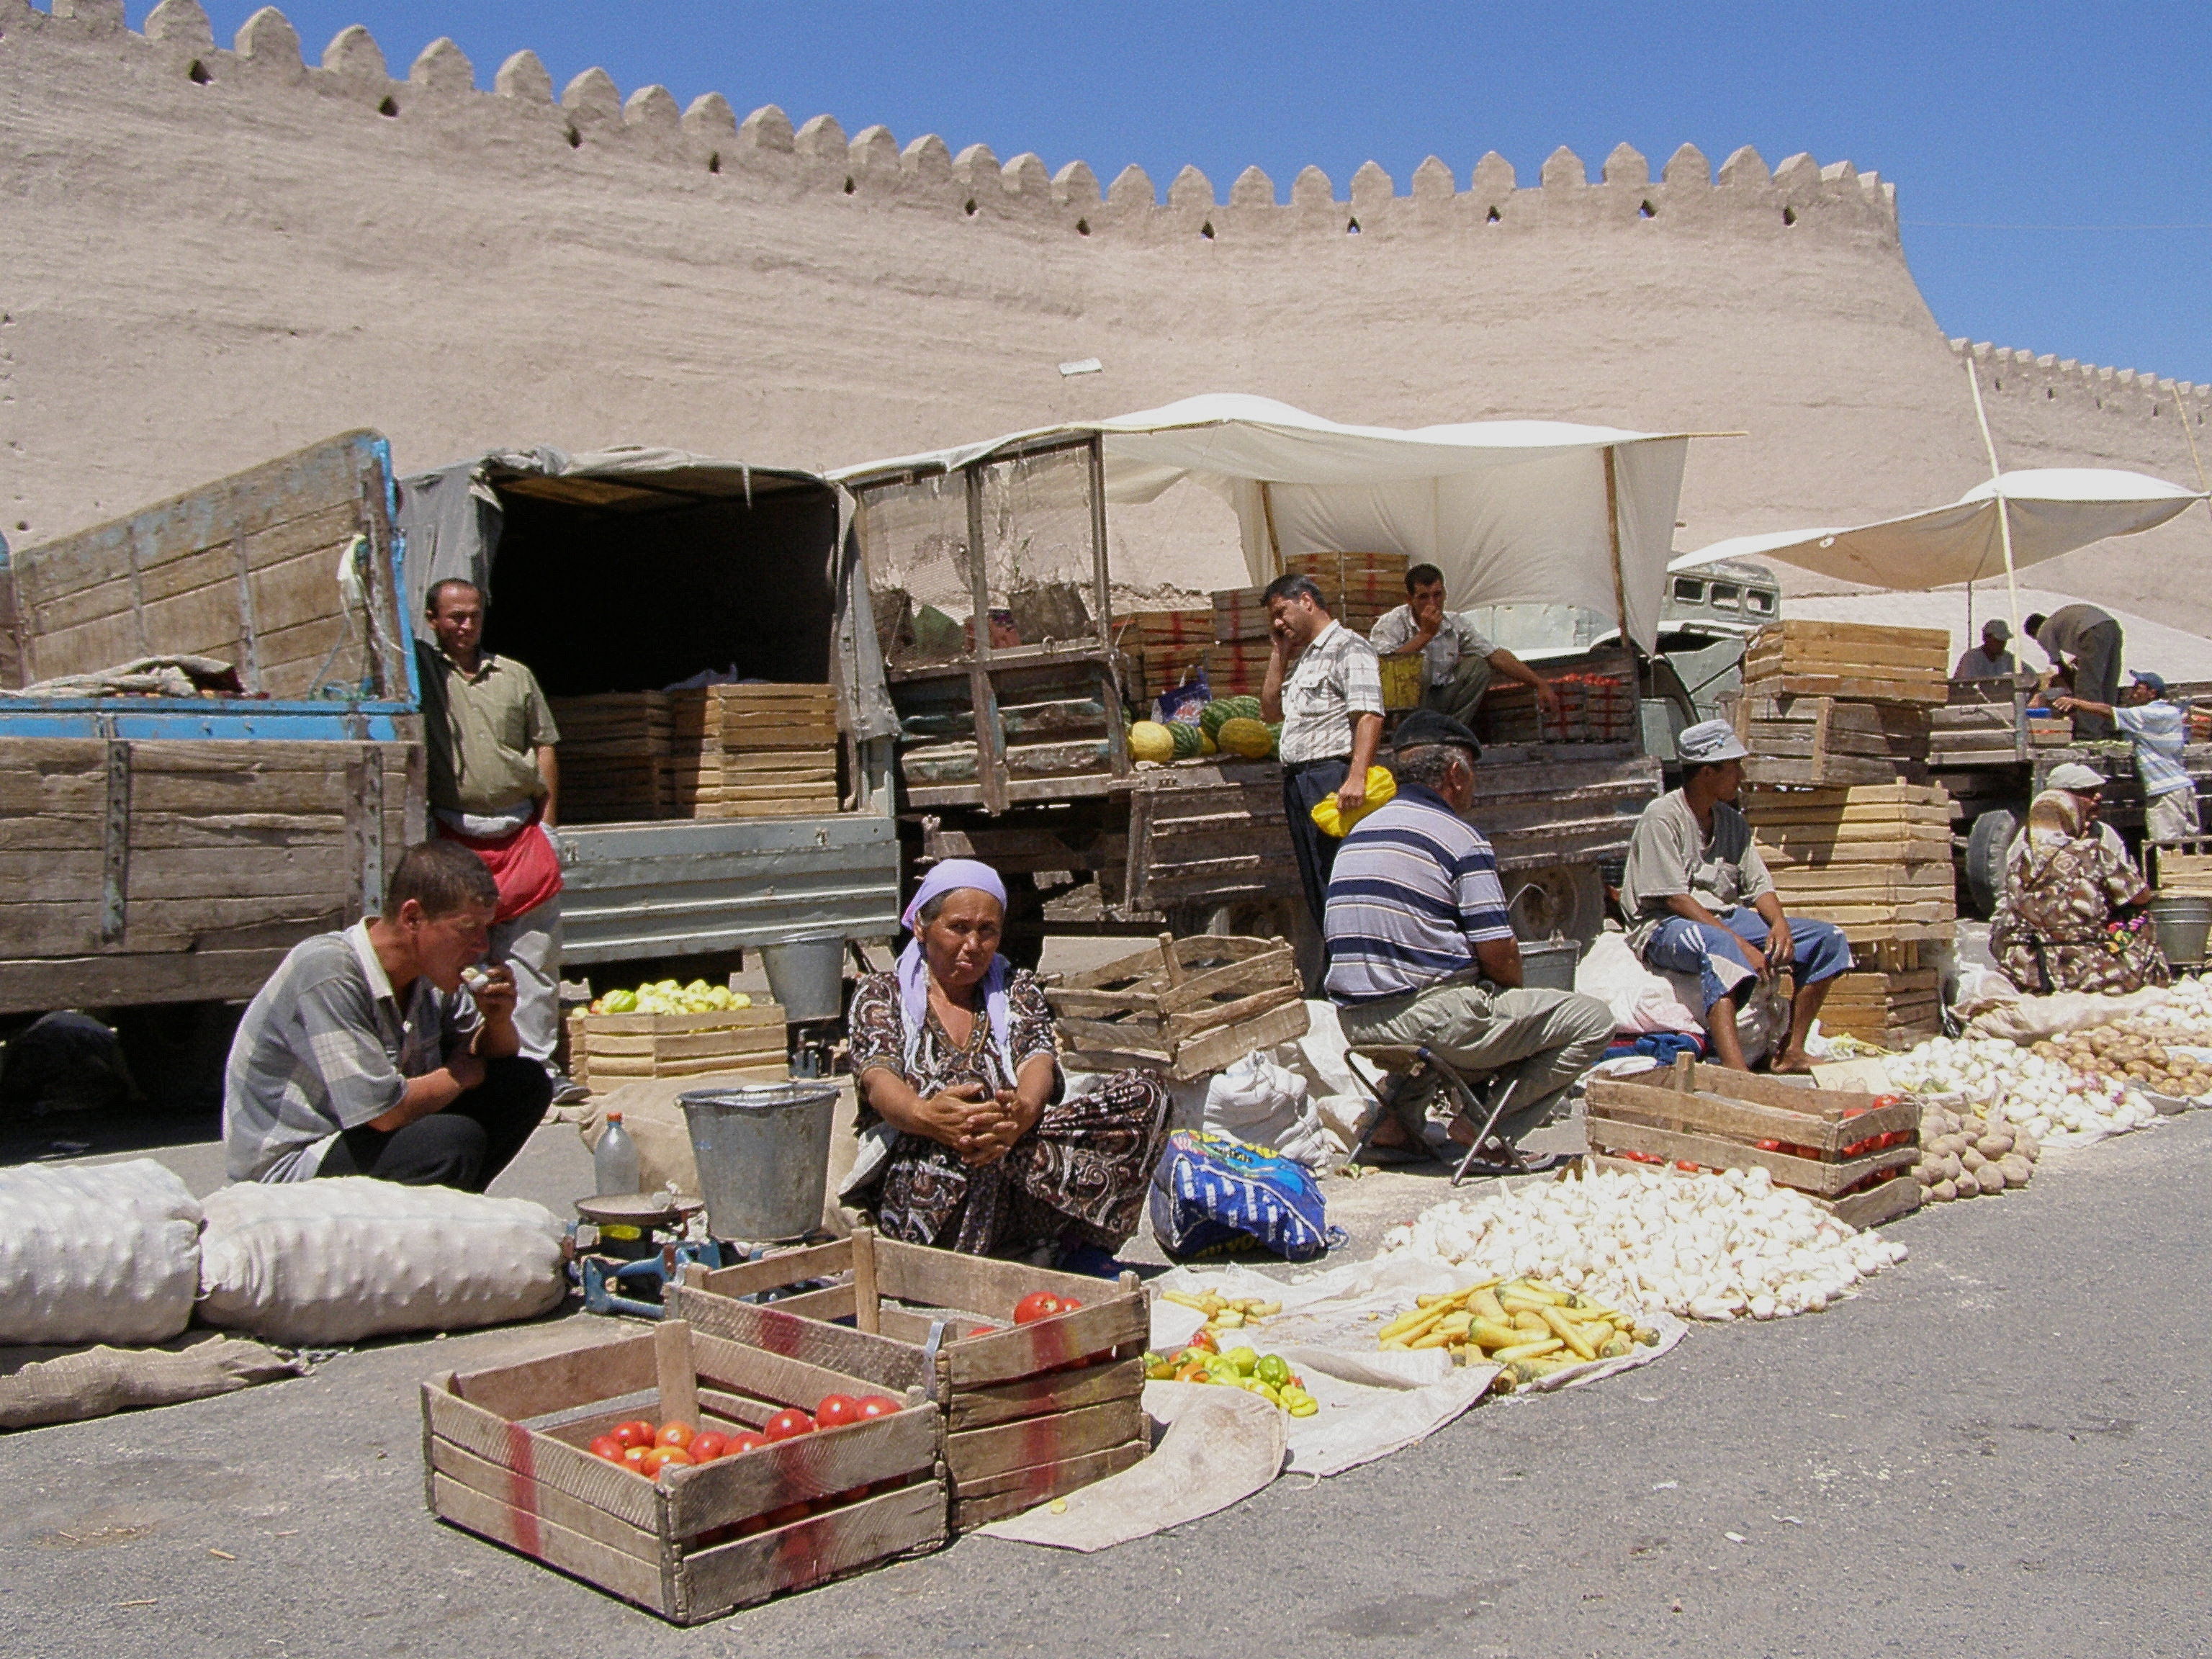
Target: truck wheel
point(1987, 843)
point(1565, 899)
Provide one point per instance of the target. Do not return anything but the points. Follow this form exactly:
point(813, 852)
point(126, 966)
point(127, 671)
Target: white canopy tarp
point(1512, 511)
point(2053, 510)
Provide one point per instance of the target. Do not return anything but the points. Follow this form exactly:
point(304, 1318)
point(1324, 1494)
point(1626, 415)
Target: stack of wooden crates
point(608, 1050)
point(1357, 588)
point(1165, 648)
point(754, 751)
point(1238, 664)
point(1836, 716)
point(614, 756)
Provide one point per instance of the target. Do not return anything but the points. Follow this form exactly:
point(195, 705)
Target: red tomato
point(634, 1433)
point(706, 1445)
point(1037, 1304)
point(634, 1455)
point(980, 1330)
point(1068, 1304)
point(661, 1457)
point(675, 1434)
point(788, 1424)
point(877, 1405)
point(608, 1447)
point(789, 1513)
point(745, 1440)
point(1203, 1338)
point(835, 1411)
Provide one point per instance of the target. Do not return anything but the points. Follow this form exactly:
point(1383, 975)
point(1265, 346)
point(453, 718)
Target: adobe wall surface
point(214, 255)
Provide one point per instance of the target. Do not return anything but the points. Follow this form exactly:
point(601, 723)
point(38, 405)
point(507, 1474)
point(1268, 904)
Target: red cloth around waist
point(524, 865)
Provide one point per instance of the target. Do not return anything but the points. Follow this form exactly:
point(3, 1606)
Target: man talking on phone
point(385, 1049)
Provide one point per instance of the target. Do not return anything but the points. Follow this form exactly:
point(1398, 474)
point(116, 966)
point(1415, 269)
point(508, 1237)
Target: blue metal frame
point(310, 720)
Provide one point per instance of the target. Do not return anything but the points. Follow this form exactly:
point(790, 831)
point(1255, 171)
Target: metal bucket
point(763, 1156)
point(808, 977)
point(1550, 965)
point(2183, 920)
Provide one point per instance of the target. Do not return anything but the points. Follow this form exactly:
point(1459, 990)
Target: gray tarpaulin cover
point(450, 519)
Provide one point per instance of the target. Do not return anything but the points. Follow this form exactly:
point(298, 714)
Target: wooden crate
point(618, 1047)
point(1722, 1119)
point(1894, 1009)
point(1874, 859)
point(750, 717)
point(1857, 661)
point(1031, 1411)
point(614, 756)
point(1826, 741)
point(1597, 705)
point(1239, 614)
point(504, 1456)
point(1184, 1007)
point(1870, 1207)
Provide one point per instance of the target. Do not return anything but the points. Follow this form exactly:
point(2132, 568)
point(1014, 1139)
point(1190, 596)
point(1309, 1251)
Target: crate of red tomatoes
point(688, 1473)
point(1039, 1375)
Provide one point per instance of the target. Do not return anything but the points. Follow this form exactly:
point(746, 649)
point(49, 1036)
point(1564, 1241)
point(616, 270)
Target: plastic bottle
point(614, 1160)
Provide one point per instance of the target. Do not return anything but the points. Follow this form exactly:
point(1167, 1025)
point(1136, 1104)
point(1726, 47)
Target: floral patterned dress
point(2054, 929)
point(1079, 1177)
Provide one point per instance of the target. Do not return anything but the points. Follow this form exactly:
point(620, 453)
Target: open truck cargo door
point(172, 847)
point(620, 575)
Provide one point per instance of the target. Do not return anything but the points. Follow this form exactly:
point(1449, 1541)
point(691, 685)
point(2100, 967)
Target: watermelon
point(1248, 738)
point(1187, 737)
point(1221, 709)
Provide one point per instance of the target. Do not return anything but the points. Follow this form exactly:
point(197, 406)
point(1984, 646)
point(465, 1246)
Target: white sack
point(318, 1263)
point(96, 1253)
point(1641, 1000)
point(2030, 1019)
point(1264, 1104)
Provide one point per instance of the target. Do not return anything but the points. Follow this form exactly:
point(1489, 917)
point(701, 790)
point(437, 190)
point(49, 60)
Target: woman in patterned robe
point(2072, 918)
point(966, 1141)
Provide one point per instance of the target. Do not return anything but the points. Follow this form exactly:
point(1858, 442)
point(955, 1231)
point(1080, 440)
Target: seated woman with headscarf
point(966, 1142)
point(2072, 915)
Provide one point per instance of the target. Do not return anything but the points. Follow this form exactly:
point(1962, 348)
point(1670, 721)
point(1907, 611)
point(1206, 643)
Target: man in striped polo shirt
point(1420, 950)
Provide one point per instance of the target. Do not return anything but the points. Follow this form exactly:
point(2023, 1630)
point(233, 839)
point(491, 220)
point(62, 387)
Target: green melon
point(1187, 738)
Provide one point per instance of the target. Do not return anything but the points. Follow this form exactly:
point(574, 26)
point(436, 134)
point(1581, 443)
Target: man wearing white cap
point(1700, 901)
point(1989, 660)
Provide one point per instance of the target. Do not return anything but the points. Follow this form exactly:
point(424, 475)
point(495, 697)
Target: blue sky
point(2053, 161)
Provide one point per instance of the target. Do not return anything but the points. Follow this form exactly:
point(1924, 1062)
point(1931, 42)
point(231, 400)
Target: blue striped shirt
point(1413, 890)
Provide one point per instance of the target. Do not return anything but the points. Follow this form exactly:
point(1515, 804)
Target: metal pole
point(1613, 538)
point(2004, 512)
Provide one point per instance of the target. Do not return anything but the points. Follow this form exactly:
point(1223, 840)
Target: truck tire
point(1567, 900)
point(1987, 843)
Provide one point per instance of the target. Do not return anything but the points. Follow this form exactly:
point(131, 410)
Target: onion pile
point(2052, 1102)
point(1700, 1246)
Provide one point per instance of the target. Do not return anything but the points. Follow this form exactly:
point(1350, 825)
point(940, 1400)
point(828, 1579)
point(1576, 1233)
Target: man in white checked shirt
point(1325, 686)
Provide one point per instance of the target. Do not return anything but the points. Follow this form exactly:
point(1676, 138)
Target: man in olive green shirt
point(494, 786)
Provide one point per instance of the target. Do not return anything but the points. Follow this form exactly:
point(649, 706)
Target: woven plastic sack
point(1212, 1194)
point(100, 1253)
point(318, 1263)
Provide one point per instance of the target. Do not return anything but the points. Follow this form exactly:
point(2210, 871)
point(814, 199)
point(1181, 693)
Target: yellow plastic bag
point(1381, 787)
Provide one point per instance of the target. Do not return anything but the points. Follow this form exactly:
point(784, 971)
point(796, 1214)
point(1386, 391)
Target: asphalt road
point(2002, 1446)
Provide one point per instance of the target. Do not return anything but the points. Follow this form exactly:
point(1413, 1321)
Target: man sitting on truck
point(1459, 662)
point(1700, 901)
point(1990, 660)
point(1420, 950)
point(493, 787)
point(382, 1050)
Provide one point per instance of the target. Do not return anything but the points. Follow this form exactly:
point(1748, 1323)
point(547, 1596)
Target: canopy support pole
point(1612, 539)
point(2004, 508)
point(1274, 542)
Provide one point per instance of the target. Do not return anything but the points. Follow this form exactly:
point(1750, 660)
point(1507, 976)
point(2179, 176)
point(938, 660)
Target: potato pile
point(1966, 1157)
point(2133, 1052)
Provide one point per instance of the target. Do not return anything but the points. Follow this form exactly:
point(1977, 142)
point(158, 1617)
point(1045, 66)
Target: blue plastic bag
point(1212, 1194)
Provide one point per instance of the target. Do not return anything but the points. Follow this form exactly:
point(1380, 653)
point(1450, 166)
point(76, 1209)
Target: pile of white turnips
point(1700, 1246)
point(2056, 1105)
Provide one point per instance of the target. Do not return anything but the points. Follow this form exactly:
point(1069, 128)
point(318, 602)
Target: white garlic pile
point(1700, 1246)
point(2056, 1105)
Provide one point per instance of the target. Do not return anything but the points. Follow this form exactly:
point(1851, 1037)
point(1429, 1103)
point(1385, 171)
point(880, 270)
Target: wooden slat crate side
point(550, 1543)
point(947, 1278)
point(531, 1388)
point(1097, 1328)
point(1899, 1196)
point(1023, 1489)
point(592, 1481)
point(1037, 1396)
point(530, 1497)
point(748, 1571)
point(766, 1375)
point(1626, 1101)
point(899, 1447)
point(774, 1272)
point(976, 1454)
point(886, 1363)
point(1714, 1152)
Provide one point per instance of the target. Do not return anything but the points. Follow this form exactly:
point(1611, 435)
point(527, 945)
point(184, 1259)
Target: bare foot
point(1790, 1066)
point(1390, 1135)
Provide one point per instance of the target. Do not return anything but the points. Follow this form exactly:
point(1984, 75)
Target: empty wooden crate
point(505, 1457)
point(618, 1047)
point(1857, 661)
point(1874, 859)
point(1849, 1150)
point(614, 756)
point(745, 751)
point(1184, 1007)
point(1031, 1411)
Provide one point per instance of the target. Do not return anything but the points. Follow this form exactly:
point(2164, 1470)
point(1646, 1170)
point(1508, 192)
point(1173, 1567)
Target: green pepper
point(1273, 1369)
